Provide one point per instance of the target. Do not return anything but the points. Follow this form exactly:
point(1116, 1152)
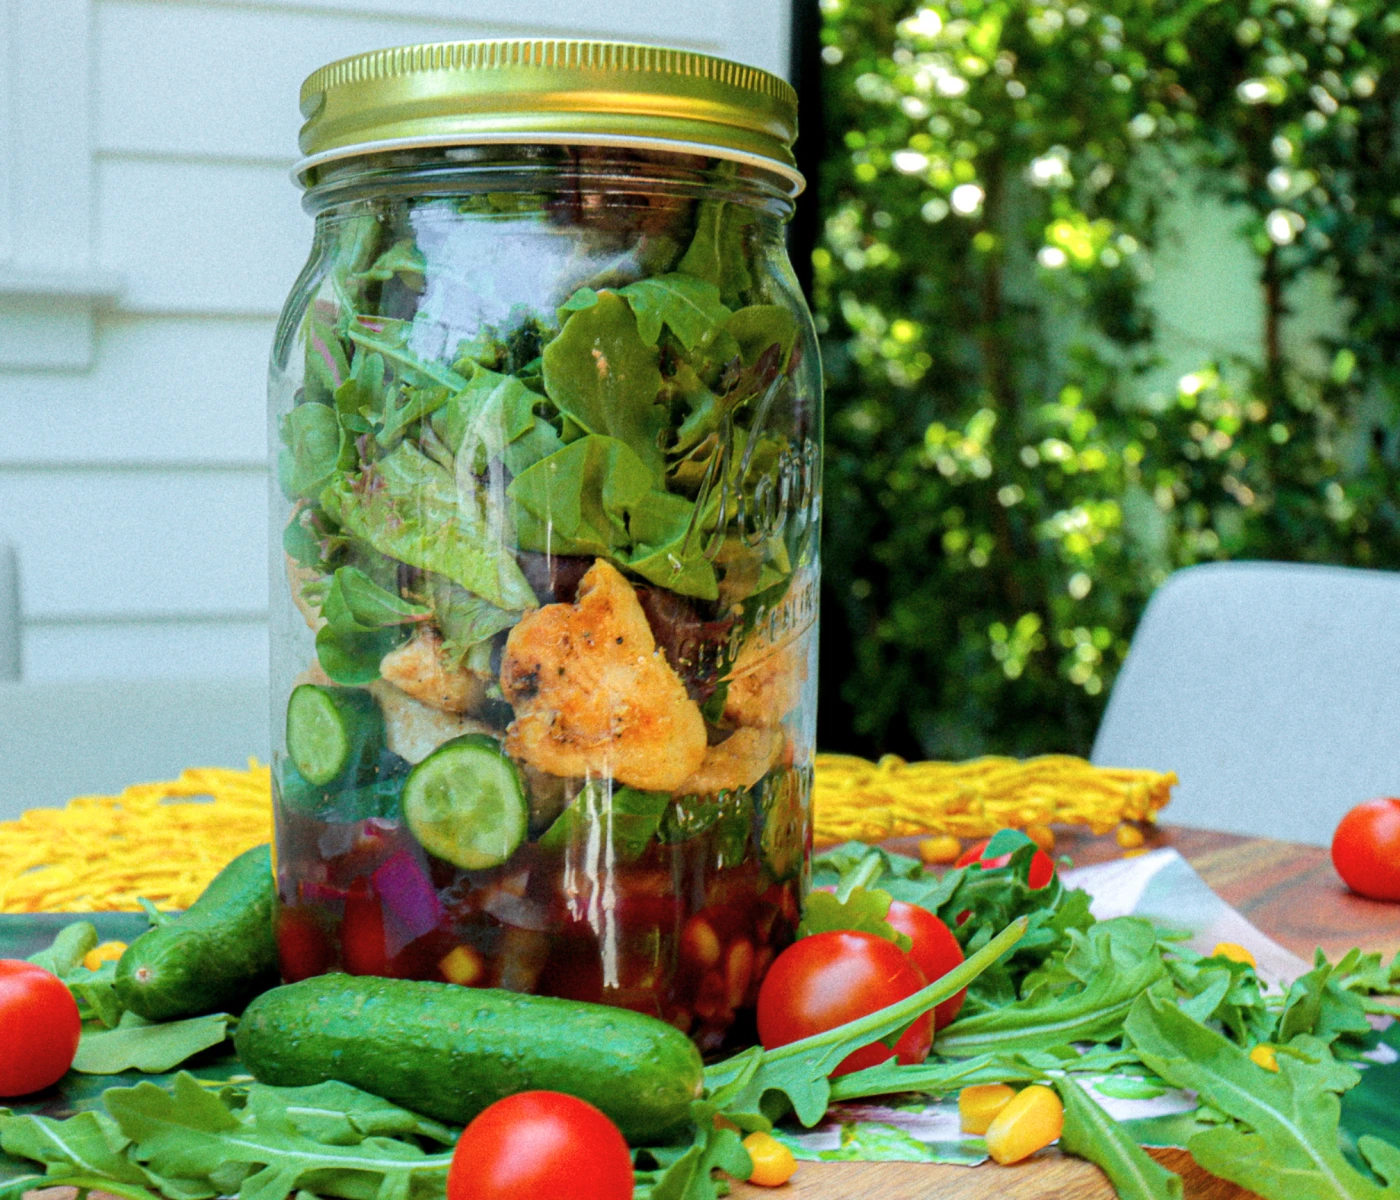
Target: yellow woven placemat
point(166, 841)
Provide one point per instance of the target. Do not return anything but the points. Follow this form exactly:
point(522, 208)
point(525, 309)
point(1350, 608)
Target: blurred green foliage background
point(1010, 471)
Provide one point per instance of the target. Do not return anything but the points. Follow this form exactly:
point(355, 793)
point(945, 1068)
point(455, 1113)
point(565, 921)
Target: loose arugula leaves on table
point(1282, 1137)
point(1084, 998)
point(93, 990)
point(796, 1076)
point(152, 1047)
point(1090, 1133)
point(686, 1172)
point(262, 1143)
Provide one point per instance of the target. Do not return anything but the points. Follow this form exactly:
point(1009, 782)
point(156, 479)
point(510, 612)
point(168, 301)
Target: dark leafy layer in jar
point(560, 574)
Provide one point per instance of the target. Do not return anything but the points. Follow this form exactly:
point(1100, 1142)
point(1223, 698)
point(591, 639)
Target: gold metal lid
point(548, 91)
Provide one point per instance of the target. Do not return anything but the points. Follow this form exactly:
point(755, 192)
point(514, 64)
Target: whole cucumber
point(449, 1051)
point(216, 956)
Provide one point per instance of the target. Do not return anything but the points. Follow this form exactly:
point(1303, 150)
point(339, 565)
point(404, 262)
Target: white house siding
point(148, 235)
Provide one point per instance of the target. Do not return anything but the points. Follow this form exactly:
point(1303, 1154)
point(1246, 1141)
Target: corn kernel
point(1129, 836)
point(1265, 1057)
point(773, 1163)
point(1234, 952)
point(1029, 1122)
point(462, 966)
point(1043, 836)
point(944, 849)
point(107, 952)
point(978, 1104)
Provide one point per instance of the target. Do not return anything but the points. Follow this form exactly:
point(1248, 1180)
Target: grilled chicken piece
point(740, 761)
point(593, 694)
point(421, 669)
point(413, 730)
point(766, 683)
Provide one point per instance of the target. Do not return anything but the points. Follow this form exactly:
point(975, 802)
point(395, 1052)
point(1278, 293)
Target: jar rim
point(547, 91)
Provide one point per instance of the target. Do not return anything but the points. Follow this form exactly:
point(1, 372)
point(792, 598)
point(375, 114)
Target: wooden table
point(1290, 892)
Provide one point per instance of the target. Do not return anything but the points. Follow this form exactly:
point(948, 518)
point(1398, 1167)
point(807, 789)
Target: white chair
point(1271, 689)
point(59, 739)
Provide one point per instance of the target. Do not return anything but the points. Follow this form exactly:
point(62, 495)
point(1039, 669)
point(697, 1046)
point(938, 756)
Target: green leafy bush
point(1005, 482)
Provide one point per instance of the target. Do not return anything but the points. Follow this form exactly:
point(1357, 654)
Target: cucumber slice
point(332, 732)
point(465, 803)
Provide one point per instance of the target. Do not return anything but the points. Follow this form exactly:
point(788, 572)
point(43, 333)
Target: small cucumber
point(333, 732)
point(449, 1052)
point(213, 958)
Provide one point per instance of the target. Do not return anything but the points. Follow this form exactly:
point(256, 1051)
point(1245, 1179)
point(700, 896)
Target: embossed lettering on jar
point(547, 419)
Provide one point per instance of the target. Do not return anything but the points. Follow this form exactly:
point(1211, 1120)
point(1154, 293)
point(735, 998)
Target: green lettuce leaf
point(310, 456)
point(410, 508)
point(717, 251)
point(1282, 1140)
point(403, 259)
point(464, 620)
point(688, 306)
point(758, 326)
point(577, 501)
point(600, 373)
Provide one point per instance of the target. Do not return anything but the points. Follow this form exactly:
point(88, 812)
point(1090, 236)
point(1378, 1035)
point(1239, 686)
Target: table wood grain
point(1290, 892)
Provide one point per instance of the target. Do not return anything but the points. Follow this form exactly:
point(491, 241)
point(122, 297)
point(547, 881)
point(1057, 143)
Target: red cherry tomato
point(39, 1028)
point(1042, 865)
point(1366, 849)
point(363, 950)
point(302, 947)
point(827, 979)
point(934, 949)
point(537, 1144)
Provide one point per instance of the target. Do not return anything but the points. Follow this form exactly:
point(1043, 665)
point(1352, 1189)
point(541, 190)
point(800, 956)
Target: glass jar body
point(546, 516)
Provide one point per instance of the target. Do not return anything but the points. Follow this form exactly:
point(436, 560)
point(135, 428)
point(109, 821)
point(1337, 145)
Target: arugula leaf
point(89, 1144)
point(1282, 1141)
point(139, 1045)
point(338, 1114)
point(577, 501)
point(411, 509)
point(93, 990)
point(403, 259)
point(313, 443)
point(686, 1172)
point(362, 623)
point(717, 253)
point(628, 817)
point(688, 306)
point(390, 339)
point(934, 1077)
point(600, 373)
point(190, 1134)
point(1316, 1004)
point(864, 909)
point(1090, 1133)
point(361, 399)
point(758, 326)
point(1104, 972)
point(69, 947)
point(796, 1076)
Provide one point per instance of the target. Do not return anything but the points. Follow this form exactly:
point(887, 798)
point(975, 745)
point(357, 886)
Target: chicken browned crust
point(740, 761)
point(594, 696)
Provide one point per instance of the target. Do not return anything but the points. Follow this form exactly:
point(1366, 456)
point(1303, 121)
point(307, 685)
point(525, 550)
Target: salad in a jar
point(549, 520)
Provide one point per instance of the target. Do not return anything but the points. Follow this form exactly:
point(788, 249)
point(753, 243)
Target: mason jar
point(545, 404)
